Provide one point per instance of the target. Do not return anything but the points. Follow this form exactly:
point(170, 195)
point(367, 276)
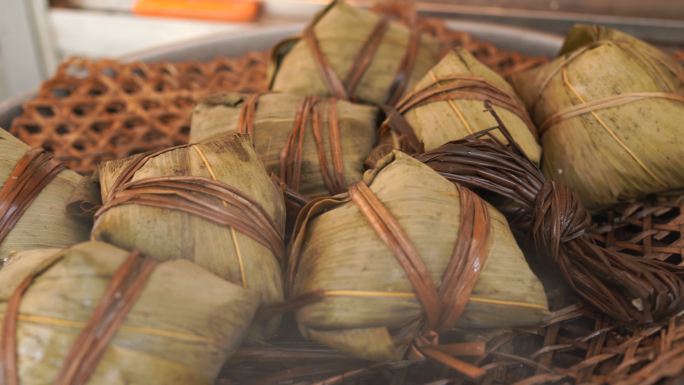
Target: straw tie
point(35, 170)
point(442, 306)
point(335, 183)
point(346, 89)
point(209, 199)
point(312, 109)
point(82, 359)
point(603, 103)
point(247, 114)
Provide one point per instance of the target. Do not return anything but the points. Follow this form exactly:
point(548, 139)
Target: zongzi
point(315, 145)
point(353, 54)
point(34, 192)
point(96, 314)
point(608, 111)
point(404, 254)
point(210, 202)
point(447, 105)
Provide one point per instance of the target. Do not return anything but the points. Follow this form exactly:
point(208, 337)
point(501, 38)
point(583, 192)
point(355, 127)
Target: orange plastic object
point(220, 10)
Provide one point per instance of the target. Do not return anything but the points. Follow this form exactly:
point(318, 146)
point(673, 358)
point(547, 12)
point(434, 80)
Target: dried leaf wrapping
point(164, 233)
point(447, 105)
point(343, 34)
point(608, 112)
point(45, 223)
point(273, 123)
point(183, 326)
point(368, 307)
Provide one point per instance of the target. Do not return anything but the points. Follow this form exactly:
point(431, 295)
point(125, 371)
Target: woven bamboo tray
point(92, 111)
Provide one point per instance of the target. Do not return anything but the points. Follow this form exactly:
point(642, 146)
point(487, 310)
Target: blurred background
point(35, 35)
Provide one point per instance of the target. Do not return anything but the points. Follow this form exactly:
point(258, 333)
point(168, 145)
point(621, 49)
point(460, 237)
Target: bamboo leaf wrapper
point(180, 330)
point(316, 145)
point(608, 110)
point(362, 57)
point(369, 308)
point(446, 105)
point(211, 203)
point(32, 216)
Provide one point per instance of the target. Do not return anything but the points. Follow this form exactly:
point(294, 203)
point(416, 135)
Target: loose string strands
point(82, 359)
point(334, 183)
point(626, 288)
point(247, 114)
point(35, 170)
point(311, 110)
point(442, 306)
point(345, 89)
point(198, 196)
point(291, 155)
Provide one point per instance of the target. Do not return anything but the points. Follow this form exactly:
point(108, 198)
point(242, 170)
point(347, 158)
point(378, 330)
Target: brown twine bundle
point(626, 288)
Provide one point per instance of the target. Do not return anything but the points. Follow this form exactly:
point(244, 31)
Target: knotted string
point(626, 288)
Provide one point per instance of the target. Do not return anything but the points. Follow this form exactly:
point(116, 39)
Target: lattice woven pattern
point(95, 110)
point(98, 110)
point(576, 347)
point(652, 228)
